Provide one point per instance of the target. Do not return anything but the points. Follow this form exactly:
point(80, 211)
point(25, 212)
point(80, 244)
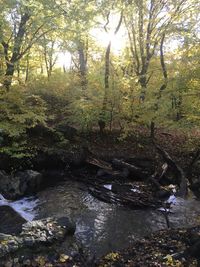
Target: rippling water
point(103, 227)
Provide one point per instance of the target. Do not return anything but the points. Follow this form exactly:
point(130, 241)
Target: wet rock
point(36, 234)
point(10, 221)
point(20, 184)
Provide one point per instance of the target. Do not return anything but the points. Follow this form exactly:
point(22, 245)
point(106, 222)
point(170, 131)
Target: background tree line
point(152, 81)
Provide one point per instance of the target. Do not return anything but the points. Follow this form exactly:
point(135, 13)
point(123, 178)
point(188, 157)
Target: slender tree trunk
point(152, 126)
point(165, 82)
point(102, 119)
point(107, 75)
point(27, 69)
point(10, 69)
point(143, 84)
point(16, 51)
point(83, 66)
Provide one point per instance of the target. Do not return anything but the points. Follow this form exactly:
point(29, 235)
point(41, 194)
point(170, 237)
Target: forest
point(99, 133)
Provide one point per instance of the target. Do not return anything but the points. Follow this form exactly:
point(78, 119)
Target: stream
point(103, 227)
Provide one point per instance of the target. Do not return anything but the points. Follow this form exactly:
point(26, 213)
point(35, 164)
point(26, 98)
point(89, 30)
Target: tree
point(78, 19)
point(107, 15)
point(24, 27)
point(146, 23)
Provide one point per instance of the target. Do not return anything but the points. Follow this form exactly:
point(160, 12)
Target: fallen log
point(113, 174)
point(183, 189)
point(99, 163)
point(134, 170)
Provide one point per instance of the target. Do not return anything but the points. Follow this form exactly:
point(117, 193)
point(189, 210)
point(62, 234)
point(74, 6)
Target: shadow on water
point(103, 227)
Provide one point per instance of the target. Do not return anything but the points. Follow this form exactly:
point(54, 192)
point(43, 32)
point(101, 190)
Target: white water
point(25, 207)
point(108, 186)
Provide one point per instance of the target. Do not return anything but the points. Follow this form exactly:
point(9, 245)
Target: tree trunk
point(152, 126)
point(102, 119)
point(16, 51)
point(10, 68)
point(143, 83)
point(27, 69)
point(82, 65)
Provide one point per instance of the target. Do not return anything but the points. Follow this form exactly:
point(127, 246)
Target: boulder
point(20, 184)
point(30, 181)
point(36, 234)
point(10, 221)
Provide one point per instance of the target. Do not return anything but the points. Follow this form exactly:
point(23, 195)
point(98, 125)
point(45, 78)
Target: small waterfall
point(3, 201)
point(25, 206)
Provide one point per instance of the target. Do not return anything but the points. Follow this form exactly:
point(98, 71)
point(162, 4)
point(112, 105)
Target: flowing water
point(103, 227)
point(26, 207)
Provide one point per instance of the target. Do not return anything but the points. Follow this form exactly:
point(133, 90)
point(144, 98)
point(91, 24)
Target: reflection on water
point(104, 227)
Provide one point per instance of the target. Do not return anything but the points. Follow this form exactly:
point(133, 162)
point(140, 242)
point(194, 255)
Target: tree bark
point(102, 119)
point(16, 55)
point(82, 65)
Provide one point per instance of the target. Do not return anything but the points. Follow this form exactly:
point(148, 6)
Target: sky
point(102, 38)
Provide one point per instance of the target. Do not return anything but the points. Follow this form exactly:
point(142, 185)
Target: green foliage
point(55, 27)
point(57, 93)
point(19, 111)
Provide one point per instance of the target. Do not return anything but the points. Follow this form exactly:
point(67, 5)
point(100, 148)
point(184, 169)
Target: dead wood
point(99, 163)
point(134, 170)
point(180, 174)
point(164, 170)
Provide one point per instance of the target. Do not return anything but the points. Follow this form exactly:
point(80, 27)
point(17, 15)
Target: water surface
point(103, 227)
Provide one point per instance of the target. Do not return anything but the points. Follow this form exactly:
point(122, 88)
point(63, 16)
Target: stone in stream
point(10, 221)
point(35, 235)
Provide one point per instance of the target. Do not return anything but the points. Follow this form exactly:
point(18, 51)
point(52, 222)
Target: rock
point(30, 181)
point(20, 184)
point(10, 221)
point(36, 234)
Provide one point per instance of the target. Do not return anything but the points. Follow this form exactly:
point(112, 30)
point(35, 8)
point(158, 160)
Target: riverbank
point(117, 174)
point(173, 247)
